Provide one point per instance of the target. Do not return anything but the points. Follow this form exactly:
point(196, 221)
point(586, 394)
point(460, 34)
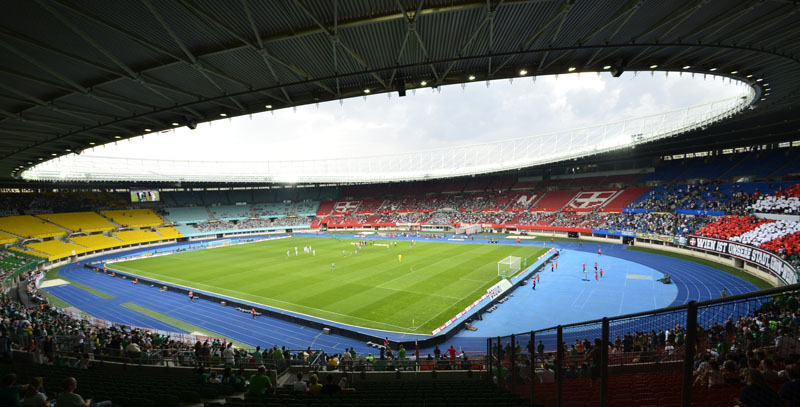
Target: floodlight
point(687, 66)
point(148, 130)
point(749, 76)
point(607, 67)
point(734, 72)
point(117, 137)
point(53, 154)
point(367, 91)
point(523, 72)
point(268, 106)
point(68, 150)
point(713, 69)
point(571, 69)
point(222, 114)
point(759, 79)
point(423, 83)
point(654, 66)
point(471, 77)
point(175, 123)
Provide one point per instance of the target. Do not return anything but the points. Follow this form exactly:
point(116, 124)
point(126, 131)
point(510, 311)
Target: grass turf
point(373, 289)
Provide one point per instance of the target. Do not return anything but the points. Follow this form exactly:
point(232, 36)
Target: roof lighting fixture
point(654, 66)
point(766, 89)
point(766, 94)
point(471, 77)
point(734, 72)
point(607, 67)
point(91, 143)
point(523, 72)
point(764, 84)
point(30, 162)
point(117, 137)
point(222, 114)
point(763, 98)
point(712, 69)
point(759, 79)
point(268, 106)
point(571, 69)
point(41, 159)
point(687, 66)
point(367, 91)
point(423, 83)
point(148, 130)
point(749, 76)
point(53, 154)
point(68, 150)
point(175, 123)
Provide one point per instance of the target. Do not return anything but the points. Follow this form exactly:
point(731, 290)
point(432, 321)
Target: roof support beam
point(246, 7)
point(194, 62)
point(626, 12)
point(338, 41)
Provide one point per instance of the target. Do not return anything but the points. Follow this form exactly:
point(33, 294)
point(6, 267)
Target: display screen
point(144, 195)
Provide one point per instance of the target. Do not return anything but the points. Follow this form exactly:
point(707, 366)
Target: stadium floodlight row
point(431, 164)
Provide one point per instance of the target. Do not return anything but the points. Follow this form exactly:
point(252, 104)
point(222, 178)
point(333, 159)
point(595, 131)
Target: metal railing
point(645, 357)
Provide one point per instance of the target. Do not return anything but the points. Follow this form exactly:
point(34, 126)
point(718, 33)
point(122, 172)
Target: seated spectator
point(314, 387)
point(329, 387)
point(68, 398)
point(790, 391)
point(10, 392)
point(259, 383)
point(757, 392)
point(33, 396)
point(344, 385)
point(299, 385)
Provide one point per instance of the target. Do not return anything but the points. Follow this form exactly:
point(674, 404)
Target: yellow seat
point(134, 218)
point(96, 242)
point(29, 226)
point(169, 232)
point(79, 221)
point(137, 236)
point(56, 249)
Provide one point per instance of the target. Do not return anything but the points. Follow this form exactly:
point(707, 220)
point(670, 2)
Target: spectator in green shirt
point(259, 383)
point(401, 353)
point(68, 398)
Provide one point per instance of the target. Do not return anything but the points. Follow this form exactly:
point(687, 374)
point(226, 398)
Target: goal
point(508, 266)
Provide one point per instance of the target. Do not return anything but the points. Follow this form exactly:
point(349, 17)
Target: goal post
point(508, 266)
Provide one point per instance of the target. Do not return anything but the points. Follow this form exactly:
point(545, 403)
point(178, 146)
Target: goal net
point(508, 266)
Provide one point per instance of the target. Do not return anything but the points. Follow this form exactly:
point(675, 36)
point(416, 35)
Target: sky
point(428, 118)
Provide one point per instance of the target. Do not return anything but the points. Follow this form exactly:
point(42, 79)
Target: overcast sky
point(425, 119)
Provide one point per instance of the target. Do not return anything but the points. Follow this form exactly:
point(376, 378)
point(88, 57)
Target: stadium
point(609, 263)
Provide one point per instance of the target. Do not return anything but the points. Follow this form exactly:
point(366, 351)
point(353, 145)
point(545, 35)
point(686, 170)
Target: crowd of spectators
point(706, 197)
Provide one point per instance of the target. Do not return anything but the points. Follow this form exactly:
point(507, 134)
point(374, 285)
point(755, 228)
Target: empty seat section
point(29, 226)
point(135, 218)
point(6, 238)
point(306, 208)
point(186, 215)
point(625, 198)
point(56, 249)
point(272, 210)
point(169, 232)
point(554, 200)
point(88, 222)
point(96, 242)
point(137, 236)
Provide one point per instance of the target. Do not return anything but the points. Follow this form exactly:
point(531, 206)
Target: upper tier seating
point(135, 218)
point(186, 215)
point(554, 200)
point(231, 212)
point(306, 208)
point(79, 221)
point(96, 242)
point(137, 236)
point(29, 226)
point(272, 210)
point(761, 163)
point(625, 198)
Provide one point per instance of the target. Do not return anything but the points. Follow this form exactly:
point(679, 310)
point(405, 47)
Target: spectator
point(329, 387)
point(68, 398)
point(790, 391)
point(10, 392)
point(757, 392)
point(299, 385)
point(33, 396)
point(314, 387)
point(260, 383)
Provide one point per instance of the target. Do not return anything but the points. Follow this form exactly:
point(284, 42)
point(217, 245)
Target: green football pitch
point(373, 289)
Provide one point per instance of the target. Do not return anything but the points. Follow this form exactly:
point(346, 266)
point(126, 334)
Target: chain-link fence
point(693, 354)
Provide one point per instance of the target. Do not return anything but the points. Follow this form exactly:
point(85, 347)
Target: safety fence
point(655, 357)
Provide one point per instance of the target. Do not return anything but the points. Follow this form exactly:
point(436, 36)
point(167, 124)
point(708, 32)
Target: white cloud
point(427, 119)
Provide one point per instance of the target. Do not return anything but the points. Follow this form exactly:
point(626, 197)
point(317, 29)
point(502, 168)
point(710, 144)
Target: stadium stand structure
point(96, 241)
point(134, 218)
point(193, 214)
point(137, 236)
point(27, 226)
point(88, 222)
